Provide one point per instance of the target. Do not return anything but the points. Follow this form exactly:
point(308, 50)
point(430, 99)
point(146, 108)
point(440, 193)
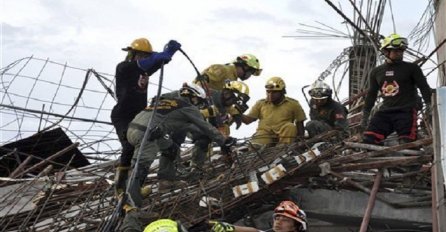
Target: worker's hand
point(229, 142)
point(238, 120)
point(241, 106)
point(143, 81)
point(221, 226)
point(172, 46)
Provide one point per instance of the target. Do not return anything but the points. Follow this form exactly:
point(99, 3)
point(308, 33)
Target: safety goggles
point(287, 210)
point(398, 43)
point(318, 93)
point(273, 87)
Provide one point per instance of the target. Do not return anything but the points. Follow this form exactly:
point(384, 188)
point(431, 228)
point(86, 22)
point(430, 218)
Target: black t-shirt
point(333, 113)
point(131, 98)
point(398, 84)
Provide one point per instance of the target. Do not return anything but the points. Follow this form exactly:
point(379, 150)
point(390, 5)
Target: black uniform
point(331, 115)
point(398, 84)
point(131, 99)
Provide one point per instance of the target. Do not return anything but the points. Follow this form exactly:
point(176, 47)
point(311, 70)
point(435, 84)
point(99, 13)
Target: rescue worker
point(229, 105)
point(215, 76)
point(176, 110)
point(325, 113)
point(397, 81)
point(280, 118)
point(287, 217)
point(132, 77)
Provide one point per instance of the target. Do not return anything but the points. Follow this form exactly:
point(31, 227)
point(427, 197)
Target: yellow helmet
point(251, 61)
point(141, 44)
point(394, 41)
point(237, 86)
point(275, 84)
point(165, 225)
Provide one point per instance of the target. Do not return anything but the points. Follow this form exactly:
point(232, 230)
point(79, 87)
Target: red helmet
point(291, 210)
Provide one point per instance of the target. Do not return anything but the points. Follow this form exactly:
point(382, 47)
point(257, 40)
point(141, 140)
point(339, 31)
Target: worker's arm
point(247, 120)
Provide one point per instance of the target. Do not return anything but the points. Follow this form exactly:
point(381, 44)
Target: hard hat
point(291, 210)
point(275, 84)
point(165, 225)
point(320, 90)
point(192, 90)
point(251, 61)
point(394, 41)
point(241, 93)
point(237, 86)
point(141, 45)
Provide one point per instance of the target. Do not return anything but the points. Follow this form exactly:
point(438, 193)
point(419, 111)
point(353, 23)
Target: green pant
point(131, 222)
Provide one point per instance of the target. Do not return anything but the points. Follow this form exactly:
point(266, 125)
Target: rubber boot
point(121, 176)
point(136, 186)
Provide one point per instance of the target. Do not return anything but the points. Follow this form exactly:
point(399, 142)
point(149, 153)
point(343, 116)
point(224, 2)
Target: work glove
point(221, 226)
point(171, 47)
point(241, 107)
point(229, 142)
point(238, 120)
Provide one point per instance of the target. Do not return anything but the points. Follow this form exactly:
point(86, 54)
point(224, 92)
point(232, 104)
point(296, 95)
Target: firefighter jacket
point(275, 116)
point(217, 74)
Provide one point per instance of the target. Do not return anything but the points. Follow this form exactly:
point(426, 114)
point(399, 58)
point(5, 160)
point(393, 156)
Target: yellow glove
point(221, 226)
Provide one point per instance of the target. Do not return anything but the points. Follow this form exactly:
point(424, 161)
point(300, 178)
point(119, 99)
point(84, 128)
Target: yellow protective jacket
point(217, 74)
point(275, 116)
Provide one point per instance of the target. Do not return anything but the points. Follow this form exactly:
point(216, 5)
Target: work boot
point(146, 191)
point(121, 176)
point(165, 186)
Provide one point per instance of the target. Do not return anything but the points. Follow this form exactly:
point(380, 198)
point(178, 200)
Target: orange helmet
point(291, 210)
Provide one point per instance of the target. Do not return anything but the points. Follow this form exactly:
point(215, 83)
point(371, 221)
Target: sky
point(90, 34)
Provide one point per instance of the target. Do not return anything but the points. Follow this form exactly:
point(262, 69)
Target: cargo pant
point(383, 123)
point(285, 134)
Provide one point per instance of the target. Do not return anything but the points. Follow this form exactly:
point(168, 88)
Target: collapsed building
point(59, 177)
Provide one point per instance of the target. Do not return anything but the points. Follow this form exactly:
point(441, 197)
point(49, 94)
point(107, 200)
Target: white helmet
point(320, 90)
point(192, 90)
